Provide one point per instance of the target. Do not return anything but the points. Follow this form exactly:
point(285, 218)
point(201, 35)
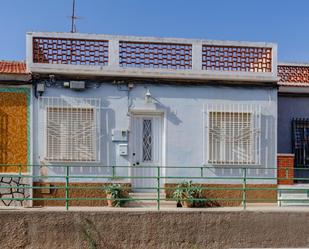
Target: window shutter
point(233, 134)
point(71, 129)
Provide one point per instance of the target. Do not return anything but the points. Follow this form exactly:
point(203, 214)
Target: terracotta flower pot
point(109, 202)
point(186, 204)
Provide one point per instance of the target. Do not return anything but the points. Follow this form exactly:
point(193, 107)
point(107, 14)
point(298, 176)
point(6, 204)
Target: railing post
point(244, 189)
point(67, 187)
point(19, 170)
point(19, 175)
point(158, 187)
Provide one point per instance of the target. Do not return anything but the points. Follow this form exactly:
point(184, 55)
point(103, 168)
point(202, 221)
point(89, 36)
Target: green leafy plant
point(186, 193)
point(115, 193)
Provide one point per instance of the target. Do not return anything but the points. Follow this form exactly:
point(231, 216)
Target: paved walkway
point(250, 207)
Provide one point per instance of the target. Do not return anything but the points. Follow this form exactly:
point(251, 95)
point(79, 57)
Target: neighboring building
point(15, 129)
point(293, 116)
point(138, 102)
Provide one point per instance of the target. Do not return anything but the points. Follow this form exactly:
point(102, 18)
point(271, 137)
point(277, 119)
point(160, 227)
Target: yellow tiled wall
point(13, 130)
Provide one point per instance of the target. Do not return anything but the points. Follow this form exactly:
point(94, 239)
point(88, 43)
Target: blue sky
point(285, 22)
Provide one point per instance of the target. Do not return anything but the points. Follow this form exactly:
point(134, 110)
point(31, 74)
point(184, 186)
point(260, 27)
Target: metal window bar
point(300, 145)
point(147, 140)
point(71, 127)
point(233, 134)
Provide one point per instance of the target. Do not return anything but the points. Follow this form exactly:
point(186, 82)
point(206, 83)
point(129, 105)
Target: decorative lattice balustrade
point(229, 58)
point(70, 51)
point(128, 56)
point(155, 55)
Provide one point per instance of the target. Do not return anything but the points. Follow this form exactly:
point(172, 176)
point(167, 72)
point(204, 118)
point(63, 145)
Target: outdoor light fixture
point(148, 97)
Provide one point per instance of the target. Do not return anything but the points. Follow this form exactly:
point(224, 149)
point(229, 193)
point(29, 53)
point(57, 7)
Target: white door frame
point(141, 113)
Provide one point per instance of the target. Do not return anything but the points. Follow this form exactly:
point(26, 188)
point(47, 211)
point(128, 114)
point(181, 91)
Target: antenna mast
point(73, 17)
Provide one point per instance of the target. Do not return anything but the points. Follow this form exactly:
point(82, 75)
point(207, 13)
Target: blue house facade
point(135, 107)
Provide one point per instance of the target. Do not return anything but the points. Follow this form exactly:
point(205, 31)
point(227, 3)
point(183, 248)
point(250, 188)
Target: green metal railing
point(238, 180)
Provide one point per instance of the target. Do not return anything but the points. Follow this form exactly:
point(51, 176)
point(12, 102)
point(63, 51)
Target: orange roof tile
point(293, 75)
point(12, 67)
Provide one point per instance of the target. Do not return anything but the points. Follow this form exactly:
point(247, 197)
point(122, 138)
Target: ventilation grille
point(155, 55)
point(70, 51)
point(228, 58)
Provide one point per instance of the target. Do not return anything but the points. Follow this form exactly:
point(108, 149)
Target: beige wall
point(153, 230)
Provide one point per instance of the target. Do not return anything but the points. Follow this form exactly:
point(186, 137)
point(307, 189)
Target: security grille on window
point(234, 135)
point(71, 129)
point(301, 142)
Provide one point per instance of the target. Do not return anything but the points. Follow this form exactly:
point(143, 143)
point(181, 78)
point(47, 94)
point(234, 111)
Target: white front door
point(146, 151)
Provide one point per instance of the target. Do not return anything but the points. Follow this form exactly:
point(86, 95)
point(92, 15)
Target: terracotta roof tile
point(293, 75)
point(12, 67)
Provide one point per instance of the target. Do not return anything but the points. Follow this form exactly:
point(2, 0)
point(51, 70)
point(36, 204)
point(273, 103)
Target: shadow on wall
point(170, 115)
point(4, 124)
point(213, 92)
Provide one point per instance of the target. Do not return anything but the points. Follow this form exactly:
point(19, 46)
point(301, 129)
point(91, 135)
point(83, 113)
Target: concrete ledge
point(144, 229)
point(286, 154)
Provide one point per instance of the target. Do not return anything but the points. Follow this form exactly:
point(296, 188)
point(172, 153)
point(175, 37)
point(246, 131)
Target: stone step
point(149, 200)
point(296, 195)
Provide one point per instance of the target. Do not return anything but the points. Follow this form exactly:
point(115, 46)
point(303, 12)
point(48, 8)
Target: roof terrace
point(149, 57)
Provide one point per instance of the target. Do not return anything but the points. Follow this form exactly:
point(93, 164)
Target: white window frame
point(255, 115)
point(70, 103)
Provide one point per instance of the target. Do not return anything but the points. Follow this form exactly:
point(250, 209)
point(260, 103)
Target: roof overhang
point(293, 90)
point(11, 78)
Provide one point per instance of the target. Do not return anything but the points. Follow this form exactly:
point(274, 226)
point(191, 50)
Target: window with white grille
point(71, 129)
point(233, 134)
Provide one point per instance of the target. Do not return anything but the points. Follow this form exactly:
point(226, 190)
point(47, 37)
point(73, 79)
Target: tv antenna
point(73, 18)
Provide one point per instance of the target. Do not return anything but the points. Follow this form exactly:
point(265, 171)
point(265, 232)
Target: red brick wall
point(80, 190)
point(285, 163)
point(229, 195)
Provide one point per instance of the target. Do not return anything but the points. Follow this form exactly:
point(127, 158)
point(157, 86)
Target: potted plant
point(115, 192)
point(186, 192)
point(197, 194)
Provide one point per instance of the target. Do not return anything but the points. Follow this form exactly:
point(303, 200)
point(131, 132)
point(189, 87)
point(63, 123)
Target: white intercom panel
point(123, 149)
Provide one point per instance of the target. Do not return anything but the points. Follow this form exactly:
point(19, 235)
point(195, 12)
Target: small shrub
point(115, 192)
point(186, 193)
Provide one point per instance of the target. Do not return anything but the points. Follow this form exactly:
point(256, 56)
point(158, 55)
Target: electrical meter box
point(119, 135)
point(123, 149)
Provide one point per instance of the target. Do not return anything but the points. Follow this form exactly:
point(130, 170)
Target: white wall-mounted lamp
point(148, 97)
